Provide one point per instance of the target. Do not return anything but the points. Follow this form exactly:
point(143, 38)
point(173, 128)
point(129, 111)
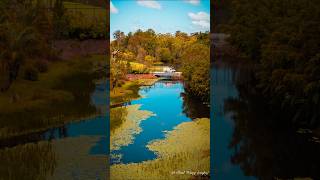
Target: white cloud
point(201, 19)
point(194, 2)
point(113, 9)
point(149, 3)
point(199, 16)
point(203, 24)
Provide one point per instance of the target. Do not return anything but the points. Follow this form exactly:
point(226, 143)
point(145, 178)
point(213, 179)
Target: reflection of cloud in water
point(116, 158)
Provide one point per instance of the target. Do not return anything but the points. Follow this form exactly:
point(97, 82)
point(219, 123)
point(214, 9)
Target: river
point(76, 150)
point(248, 140)
point(170, 106)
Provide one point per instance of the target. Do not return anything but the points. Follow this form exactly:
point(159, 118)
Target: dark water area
point(166, 100)
point(249, 141)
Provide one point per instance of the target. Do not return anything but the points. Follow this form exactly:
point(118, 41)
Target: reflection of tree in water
point(117, 117)
point(51, 134)
point(60, 132)
point(55, 112)
point(194, 107)
point(146, 89)
point(29, 161)
point(264, 144)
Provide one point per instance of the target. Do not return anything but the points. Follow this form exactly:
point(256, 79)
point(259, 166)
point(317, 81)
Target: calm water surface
point(165, 100)
point(95, 128)
point(223, 87)
point(248, 140)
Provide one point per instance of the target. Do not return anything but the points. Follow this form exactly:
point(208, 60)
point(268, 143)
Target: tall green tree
point(60, 19)
point(19, 41)
point(283, 38)
point(196, 70)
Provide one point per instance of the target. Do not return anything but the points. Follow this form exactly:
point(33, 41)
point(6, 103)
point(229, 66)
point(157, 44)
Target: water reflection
point(171, 106)
point(265, 147)
point(261, 143)
point(194, 107)
point(28, 119)
point(223, 87)
point(77, 150)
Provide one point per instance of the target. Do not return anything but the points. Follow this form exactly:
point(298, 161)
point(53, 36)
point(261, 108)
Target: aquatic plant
point(124, 134)
point(73, 160)
point(183, 154)
point(30, 161)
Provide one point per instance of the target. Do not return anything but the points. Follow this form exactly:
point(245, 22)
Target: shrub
point(31, 73)
point(42, 66)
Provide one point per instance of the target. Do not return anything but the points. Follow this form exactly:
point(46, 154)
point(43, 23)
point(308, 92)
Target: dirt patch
point(69, 49)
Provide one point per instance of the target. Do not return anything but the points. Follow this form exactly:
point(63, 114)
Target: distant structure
point(168, 72)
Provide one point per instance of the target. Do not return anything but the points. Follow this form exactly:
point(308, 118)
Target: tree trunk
point(12, 71)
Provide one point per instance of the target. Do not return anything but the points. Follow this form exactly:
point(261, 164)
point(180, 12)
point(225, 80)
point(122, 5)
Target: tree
point(282, 38)
point(128, 56)
point(141, 54)
point(119, 37)
point(118, 72)
point(60, 19)
point(196, 70)
point(146, 47)
point(149, 60)
point(164, 55)
point(20, 40)
point(18, 43)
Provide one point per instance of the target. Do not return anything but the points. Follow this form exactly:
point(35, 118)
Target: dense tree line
point(283, 38)
point(188, 53)
point(221, 14)
point(27, 30)
point(101, 3)
point(23, 40)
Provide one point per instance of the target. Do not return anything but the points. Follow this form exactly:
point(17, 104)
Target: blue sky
point(164, 16)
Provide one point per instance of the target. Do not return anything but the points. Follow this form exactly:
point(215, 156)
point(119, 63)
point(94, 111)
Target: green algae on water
point(183, 154)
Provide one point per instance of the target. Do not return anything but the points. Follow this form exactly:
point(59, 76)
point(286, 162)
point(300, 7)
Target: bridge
point(169, 73)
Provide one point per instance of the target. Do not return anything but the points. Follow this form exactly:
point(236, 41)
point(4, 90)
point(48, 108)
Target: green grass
point(30, 161)
point(82, 15)
point(138, 67)
point(73, 156)
point(60, 95)
point(128, 91)
point(156, 68)
point(57, 159)
point(32, 91)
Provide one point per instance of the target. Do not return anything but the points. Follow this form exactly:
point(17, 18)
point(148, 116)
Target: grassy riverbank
point(58, 159)
point(60, 95)
point(129, 90)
